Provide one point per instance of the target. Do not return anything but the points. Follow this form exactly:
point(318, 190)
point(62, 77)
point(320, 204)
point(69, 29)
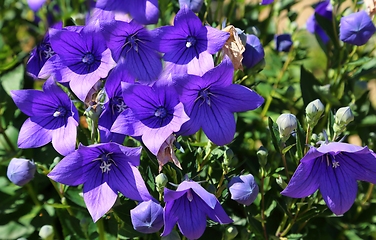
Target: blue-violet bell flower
point(243, 189)
point(283, 42)
point(254, 52)
point(20, 171)
point(189, 206)
point(325, 10)
point(154, 113)
point(194, 5)
point(211, 101)
point(53, 117)
point(147, 217)
point(334, 168)
point(356, 28)
point(81, 59)
point(188, 44)
point(134, 48)
point(104, 170)
point(266, 2)
point(143, 11)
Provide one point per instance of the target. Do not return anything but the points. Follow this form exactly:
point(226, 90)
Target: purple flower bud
point(254, 52)
point(243, 189)
point(35, 5)
point(283, 42)
point(21, 171)
point(356, 28)
point(147, 217)
point(194, 5)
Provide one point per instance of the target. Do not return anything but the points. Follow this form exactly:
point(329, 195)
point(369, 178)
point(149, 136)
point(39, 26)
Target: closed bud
point(286, 125)
point(46, 232)
point(229, 158)
point(281, 183)
point(314, 110)
point(147, 217)
point(21, 171)
point(243, 189)
point(161, 181)
point(343, 116)
point(262, 155)
point(231, 232)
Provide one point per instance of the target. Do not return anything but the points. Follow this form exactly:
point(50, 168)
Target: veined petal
point(216, 39)
point(188, 22)
point(34, 134)
point(144, 12)
point(99, 198)
point(64, 138)
point(305, 180)
point(237, 98)
point(34, 102)
point(201, 64)
point(192, 220)
point(207, 197)
point(126, 179)
point(338, 187)
point(70, 170)
point(219, 124)
point(126, 123)
point(221, 75)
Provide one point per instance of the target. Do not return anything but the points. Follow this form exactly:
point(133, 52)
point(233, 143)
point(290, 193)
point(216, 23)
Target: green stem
point(6, 138)
point(263, 221)
point(32, 194)
point(100, 229)
point(308, 137)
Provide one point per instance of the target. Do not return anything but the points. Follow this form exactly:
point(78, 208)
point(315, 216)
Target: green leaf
point(307, 83)
point(122, 213)
point(13, 80)
point(300, 140)
point(286, 149)
point(274, 134)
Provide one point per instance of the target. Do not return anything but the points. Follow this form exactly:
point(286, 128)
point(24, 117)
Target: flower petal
point(216, 39)
point(64, 138)
point(34, 133)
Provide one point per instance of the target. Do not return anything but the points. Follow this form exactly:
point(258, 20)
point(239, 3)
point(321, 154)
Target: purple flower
point(283, 42)
point(143, 11)
point(154, 113)
point(147, 217)
point(211, 100)
point(40, 54)
point(323, 9)
point(82, 59)
point(194, 5)
point(189, 206)
point(104, 170)
point(356, 28)
point(114, 106)
point(21, 171)
point(243, 189)
point(136, 47)
point(254, 52)
point(53, 117)
point(266, 2)
point(188, 44)
point(333, 168)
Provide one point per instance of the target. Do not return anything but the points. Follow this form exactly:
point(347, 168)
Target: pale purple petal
point(64, 138)
point(33, 102)
point(147, 217)
point(99, 198)
point(34, 133)
point(208, 198)
point(35, 5)
point(216, 39)
point(199, 66)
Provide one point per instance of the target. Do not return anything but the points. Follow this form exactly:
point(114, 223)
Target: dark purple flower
point(143, 11)
point(189, 45)
point(194, 5)
point(266, 2)
point(189, 206)
point(211, 100)
point(147, 217)
point(254, 52)
point(356, 28)
point(21, 171)
point(40, 54)
point(323, 9)
point(283, 42)
point(154, 113)
point(82, 59)
point(243, 189)
point(114, 106)
point(104, 170)
point(334, 168)
point(134, 48)
point(53, 117)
